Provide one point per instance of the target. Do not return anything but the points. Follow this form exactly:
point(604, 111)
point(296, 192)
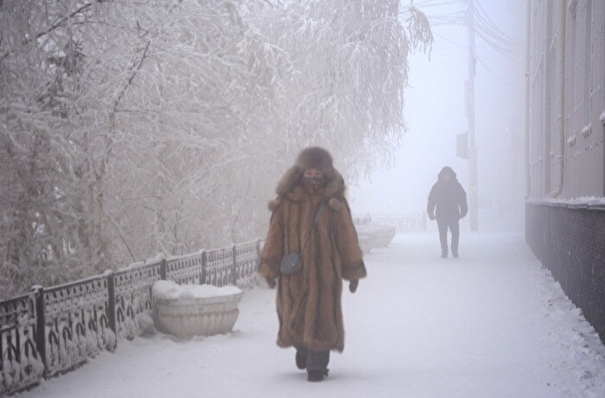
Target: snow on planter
point(380, 235)
point(195, 310)
point(366, 242)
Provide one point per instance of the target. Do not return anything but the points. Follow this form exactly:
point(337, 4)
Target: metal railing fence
point(52, 330)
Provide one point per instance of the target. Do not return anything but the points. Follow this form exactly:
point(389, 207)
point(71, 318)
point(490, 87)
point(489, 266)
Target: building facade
point(565, 151)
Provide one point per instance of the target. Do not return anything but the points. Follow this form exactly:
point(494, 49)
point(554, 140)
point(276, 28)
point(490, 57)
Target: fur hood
point(290, 183)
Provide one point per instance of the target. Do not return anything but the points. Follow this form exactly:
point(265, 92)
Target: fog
point(144, 137)
point(435, 113)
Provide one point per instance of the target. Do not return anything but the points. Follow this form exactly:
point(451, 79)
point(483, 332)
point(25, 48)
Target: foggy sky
point(435, 113)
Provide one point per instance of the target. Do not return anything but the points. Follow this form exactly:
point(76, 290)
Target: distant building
point(565, 206)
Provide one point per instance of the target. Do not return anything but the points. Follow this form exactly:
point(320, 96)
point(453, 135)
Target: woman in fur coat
point(310, 216)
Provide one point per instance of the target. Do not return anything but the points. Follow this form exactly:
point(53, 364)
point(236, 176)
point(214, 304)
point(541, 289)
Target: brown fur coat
point(309, 301)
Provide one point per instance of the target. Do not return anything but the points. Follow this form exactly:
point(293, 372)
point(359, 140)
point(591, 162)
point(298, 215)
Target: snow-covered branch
point(132, 128)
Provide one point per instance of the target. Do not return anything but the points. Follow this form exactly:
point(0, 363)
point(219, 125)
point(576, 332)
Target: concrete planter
point(366, 243)
point(378, 235)
point(195, 310)
point(383, 234)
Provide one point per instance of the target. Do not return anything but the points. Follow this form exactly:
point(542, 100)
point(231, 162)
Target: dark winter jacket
point(309, 301)
point(447, 199)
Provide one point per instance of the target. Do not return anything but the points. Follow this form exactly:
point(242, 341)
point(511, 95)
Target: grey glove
point(270, 282)
point(353, 285)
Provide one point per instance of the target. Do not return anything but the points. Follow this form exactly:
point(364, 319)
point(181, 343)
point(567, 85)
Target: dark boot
point(301, 358)
point(316, 375)
point(317, 365)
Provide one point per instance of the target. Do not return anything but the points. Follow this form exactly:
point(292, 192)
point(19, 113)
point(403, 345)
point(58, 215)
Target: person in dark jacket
point(447, 204)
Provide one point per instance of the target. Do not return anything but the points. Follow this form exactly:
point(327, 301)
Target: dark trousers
point(453, 225)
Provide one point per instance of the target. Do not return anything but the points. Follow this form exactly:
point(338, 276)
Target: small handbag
point(292, 262)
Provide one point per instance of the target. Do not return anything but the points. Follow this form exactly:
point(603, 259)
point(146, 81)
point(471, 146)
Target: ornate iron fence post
point(40, 325)
point(204, 264)
point(234, 267)
point(111, 305)
point(163, 271)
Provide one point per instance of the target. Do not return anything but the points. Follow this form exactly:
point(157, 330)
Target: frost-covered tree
point(350, 71)
point(187, 124)
point(43, 220)
point(129, 128)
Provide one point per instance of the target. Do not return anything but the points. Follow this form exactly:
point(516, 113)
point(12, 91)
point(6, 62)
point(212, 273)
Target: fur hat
point(313, 158)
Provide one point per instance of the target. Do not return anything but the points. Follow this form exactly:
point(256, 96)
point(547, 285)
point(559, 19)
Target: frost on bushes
point(71, 344)
point(129, 327)
point(136, 319)
point(16, 375)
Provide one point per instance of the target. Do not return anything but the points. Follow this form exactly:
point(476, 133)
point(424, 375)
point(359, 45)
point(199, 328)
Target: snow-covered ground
point(492, 323)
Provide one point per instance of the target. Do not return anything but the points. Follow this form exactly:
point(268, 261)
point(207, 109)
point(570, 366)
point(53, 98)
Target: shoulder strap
point(317, 217)
point(319, 213)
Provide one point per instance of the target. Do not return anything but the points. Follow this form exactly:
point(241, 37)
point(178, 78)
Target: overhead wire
point(484, 18)
point(485, 28)
point(431, 3)
point(494, 74)
point(492, 35)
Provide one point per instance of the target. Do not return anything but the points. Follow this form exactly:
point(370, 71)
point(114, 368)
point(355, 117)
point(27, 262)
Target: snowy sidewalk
point(492, 323)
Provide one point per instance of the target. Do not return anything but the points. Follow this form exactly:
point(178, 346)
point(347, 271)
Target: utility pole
point(472, 150)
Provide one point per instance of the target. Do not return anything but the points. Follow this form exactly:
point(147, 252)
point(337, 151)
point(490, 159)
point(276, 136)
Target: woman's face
point(313, 180)
point(313, 173)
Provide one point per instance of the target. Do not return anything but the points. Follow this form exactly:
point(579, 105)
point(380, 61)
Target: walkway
point(492, 323)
